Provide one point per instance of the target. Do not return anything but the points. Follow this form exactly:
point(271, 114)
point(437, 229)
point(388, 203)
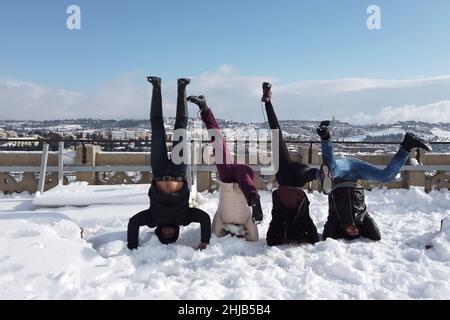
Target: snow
point(439, 244)
point(80, 194)
point(69, 157)
point(376, 133)
point(42, 255)
point(443, 135)
point(388, 131)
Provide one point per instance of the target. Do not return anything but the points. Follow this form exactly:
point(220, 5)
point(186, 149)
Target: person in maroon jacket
point(239, 209)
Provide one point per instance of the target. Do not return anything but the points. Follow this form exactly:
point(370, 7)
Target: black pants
point(291, 173)
point(161, 165)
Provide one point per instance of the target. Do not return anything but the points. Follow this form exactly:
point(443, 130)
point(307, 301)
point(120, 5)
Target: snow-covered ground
point(42, 255)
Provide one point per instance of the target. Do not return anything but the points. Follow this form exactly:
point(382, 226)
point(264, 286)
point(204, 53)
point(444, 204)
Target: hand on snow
point(202, 246)
point(257, 213)
point(132, 246)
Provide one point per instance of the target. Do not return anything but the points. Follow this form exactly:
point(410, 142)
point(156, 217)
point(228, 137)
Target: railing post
point(43, 170)
point(195, 162)
point(87, 158)
point(310, 153)
point(61, 163)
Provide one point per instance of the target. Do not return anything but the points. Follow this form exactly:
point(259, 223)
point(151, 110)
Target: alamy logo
point(374, 20)
point(74, 20)
point(256, 147)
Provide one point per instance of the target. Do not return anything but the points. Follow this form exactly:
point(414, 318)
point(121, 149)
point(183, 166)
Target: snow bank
point(81, 194)
point(42, 255)
point(440, 244)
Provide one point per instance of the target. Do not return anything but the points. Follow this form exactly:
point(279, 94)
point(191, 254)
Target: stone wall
point(15, 181)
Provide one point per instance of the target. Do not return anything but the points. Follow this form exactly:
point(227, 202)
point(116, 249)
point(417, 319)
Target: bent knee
point(246, 169)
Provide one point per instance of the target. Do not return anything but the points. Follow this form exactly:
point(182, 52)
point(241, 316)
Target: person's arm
point(143, 218)
point(217, 226)
point(197, 215)
point(274, 234)
point(313, 235)
point(306, 174)
point(252, 231)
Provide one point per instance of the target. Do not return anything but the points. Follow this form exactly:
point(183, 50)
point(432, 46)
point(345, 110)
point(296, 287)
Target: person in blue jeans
point(347, 216)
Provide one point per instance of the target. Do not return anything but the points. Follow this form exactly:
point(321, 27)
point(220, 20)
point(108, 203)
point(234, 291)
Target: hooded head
point(168, 234)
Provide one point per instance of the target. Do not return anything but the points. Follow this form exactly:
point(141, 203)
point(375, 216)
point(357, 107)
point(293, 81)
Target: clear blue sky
point(289, 40)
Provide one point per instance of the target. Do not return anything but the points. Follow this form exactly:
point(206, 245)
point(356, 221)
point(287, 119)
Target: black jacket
point(289, 226)
point(347, 207)
point(347, 204)
point(168, 209)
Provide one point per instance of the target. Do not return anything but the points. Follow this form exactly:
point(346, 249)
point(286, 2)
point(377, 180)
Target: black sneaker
point(184, 81)
point(411, 141)
point(200, 101)
point(323, 130)
point(155, 81)
point(267, 93)
point(325, 179)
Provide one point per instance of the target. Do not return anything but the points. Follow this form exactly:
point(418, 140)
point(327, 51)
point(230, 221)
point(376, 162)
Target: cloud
point(121, 98)
point(236, 97)
point(433, 113)
point(23, 100)
point(357, 84)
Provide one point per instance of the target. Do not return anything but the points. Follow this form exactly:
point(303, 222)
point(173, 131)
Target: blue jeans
point(351, 169)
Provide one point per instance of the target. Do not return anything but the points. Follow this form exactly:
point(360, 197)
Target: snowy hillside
point(43, 257)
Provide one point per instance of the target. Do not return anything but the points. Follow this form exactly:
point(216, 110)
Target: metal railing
point(61, 168)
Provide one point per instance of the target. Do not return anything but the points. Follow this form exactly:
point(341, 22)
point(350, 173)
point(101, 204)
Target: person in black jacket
point(347, 214)
point(169, 192)
point(291, 222)
point(348, 217)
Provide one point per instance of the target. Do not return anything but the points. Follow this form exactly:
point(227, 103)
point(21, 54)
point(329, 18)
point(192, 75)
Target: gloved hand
point(202, 246)
point(132, 246)
point(257, 213)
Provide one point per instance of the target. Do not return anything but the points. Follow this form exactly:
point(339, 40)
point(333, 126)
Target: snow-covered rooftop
point(42, 255)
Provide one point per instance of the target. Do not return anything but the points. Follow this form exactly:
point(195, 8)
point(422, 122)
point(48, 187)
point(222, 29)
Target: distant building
point(122, 135)
point(12, 134)
point(25, 143)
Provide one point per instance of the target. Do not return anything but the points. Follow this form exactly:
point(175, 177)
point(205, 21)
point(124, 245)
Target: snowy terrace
point(42, 254)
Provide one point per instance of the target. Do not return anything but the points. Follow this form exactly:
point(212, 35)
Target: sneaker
point(155, 81)
point(411, 141)
point(267, 93)
point(184, 81)
point(325, 179)
point(323, 130)
point(200, 101)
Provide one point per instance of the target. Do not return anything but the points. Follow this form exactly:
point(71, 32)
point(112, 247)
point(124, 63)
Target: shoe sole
point(326, 181)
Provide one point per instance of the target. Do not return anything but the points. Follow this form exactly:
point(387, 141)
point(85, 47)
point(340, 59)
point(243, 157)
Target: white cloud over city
point(236, 97)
